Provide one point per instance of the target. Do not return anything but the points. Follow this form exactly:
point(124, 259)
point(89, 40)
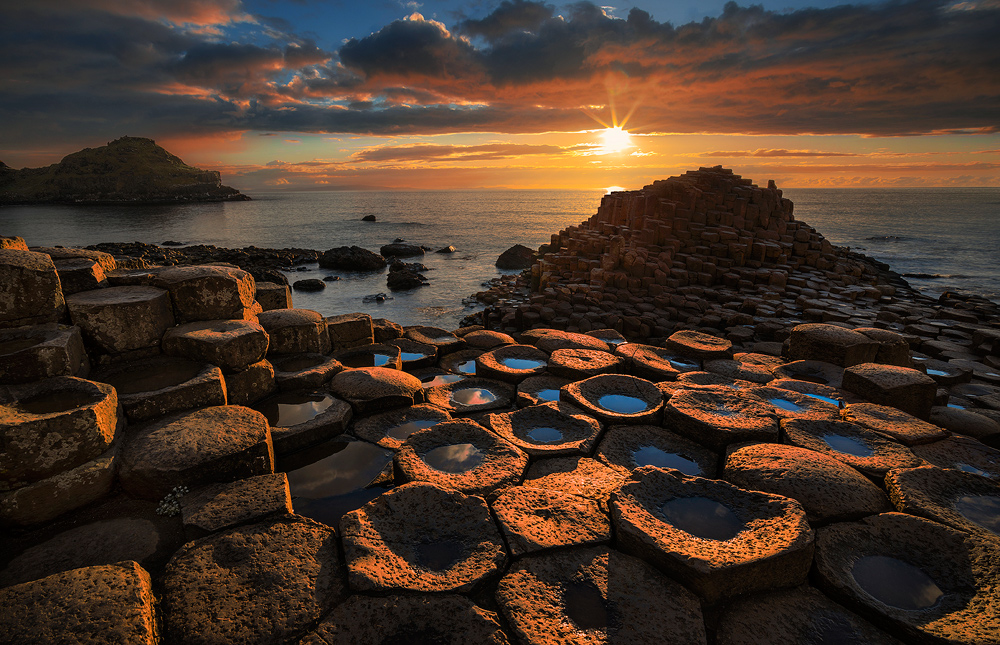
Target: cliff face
point(129, 170)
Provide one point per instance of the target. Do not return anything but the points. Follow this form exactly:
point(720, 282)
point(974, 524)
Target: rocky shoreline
point(789, 447)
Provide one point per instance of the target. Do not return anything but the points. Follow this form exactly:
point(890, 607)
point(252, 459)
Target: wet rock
point(414, 355)
point(919, 579)
point(158, 386)
point(698, 345)
point(616, 399)
point(630, 447)
point(511, 363)
point(547, 430)
point(215, 444)
point(908, 389)
point(391, 429)
point(962, 500)
point(80, 274)
point(516, 257)
point(967, 422)
point(310, 284)
point(350, 330)
point(247, 386)
point(597, 595)
point(447, 249)
point(230, 344)
point(30, 292)
point(35, 352)
point(286, 571)
point(575, 475)
point(831, 344)
point(826, 393)
point(52, 426)
point(535, 519)
point(220, 506)
point(272, 295)
point(300, 418)
point(207, 292)
point(793, 617)
point(960, 453)
point(445, 341)
point(461, 455)
point(420, 537)
point(120, 319)
point(827, 488)
point(352, 258)
point(402, 279)
point(444, 619)
point(811, 371)
point(870, 452)
point(300, 371)
point(717, 539)
point(375, 389)
point(539, 389)
point(295, 331)
point(400, 250)
point(380, 355)
point(793, 405)
point(111, 603)
point(718, 418)
point(894, 423)
point(470, 396)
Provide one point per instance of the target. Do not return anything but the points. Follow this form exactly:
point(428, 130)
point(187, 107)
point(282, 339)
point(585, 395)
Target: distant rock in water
point(311, 284)
point(399, 249)
point(129, 170)
point(516, 257)
point(368, 218)
point(352, 258)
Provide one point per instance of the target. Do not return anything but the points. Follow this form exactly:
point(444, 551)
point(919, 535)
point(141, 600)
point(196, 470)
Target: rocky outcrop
point(351, 258)
point(516, 257)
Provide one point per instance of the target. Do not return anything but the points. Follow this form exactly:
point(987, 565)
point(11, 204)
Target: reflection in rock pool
point(653, 456)
point(404, 430)
point(983, 510)
point(547, 395)
point(439, 555)
point(466, 367)
point(976, 471)
point(682, 363)
point(622, 404)
point(456, 458)
point(836, 402)
point(521, 363)
point(702, 517)
point(848, 445)
point(366, 359)
point(472, 396)
point(411, 356)
point(896, 583)
point(544, 434)
point(785, 404)
point(292, 408)
point(585, 606)
point(440, 379)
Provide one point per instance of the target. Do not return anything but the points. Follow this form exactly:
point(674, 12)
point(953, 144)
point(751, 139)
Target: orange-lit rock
point(535, 519)
point(717, 418)
point(547, 430)
point(631, 447)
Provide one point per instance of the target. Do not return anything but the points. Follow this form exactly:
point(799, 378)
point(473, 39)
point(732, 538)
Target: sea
point(942, 239)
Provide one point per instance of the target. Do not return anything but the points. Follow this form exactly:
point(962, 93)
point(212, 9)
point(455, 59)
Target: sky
point(482, 94)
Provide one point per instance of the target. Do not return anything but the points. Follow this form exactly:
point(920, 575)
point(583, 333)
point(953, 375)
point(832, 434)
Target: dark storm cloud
point(406, 47)
point(509, 17)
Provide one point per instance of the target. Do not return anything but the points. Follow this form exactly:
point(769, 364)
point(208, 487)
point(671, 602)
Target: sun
point(615, 139)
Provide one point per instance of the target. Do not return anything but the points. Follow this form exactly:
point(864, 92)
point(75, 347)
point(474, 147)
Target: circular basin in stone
point(926, 581)
point(40, 351)
point(827, 488)
point(471, 395)
point(461, 455)
point(698, 345)
point(577, 364)
point(391, 429)
point(794, 617)
point(336, 477)
point(717, 418)
point(893, 423)
point(375, 355)
point(461, 362)
point(701, 380)
point(535, 519)
point(812, 371)
point(301, 418)
point(444, 619)
point(299, 371)
point(547, 430)
point(963, 500)
point(825, 393)
point(609, 336)
point(444, 341)
point(631, 447)
point(158, 386)
point(717, 539)
point(421, 537)
point(616, 399)
point(434, 376)
point(539, 389)
point(741, 371)
point(792, 405)
point(961, 453)
point(867, 451)
point(596, 595)
point(653, 363)
point(414, 355)
point(581, 476)
point(511, 363)
point(554, 339)
point(52, 426)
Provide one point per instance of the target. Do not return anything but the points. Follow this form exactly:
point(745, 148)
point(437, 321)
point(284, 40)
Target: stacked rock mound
point(186, 458)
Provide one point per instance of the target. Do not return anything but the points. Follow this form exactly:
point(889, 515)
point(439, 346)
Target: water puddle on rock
point(622, 404)
point(810, 374)
point(681, 363)
point(653, 456)
point(848, 445)
point(466, 367)
point(521, 363)
point(298, 363)
point(983, 510)
point(57, 402)
point(702, 517)
point(404, 430)
point(547, 395)
point(412, 356)
point(440, 379)
point(292, 408)
point(836, 402)
point(896, 583)
point(585, 605)
point(366, 359)
point(439, 555)
point(544, 434)
point(937, 372)
point(472, 396)
point(785, 405)
point(153, 378)
point(972, 469)
point(456, 458)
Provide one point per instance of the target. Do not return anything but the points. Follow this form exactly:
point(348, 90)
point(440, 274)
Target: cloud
point(776, 152)
point(429, 152)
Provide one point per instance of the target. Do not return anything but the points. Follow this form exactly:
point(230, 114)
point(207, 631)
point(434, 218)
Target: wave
point(886, 238)
point(936, 276)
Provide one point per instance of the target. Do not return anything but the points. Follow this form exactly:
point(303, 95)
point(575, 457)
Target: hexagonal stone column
point(120, 319)
point(925, 581)
point(376, 389)
point(271, 295)
point(789, 404)
point(960, 453)
point(831, 344)
point(581, 476)
point(717, 418)
point(350, 330)
point(630, 447)
point(80, 274)
point(698, 345)
point(893, 423)
point(230, 344)
point(30, 292)
point(421, 537)
point(471, 395)
point(597, 595)
point(266, 582)
point(869, 452)
point(616, 399)
point(445, 341)
point(717, 539)
point(391, 429)
point(965, 501)
point(40, 351)
point(908, 389)
point(535, 519)
point(300, 418)
point(295, 331)
point(297, 371)
point(102, 604)
point(215, 444)
point(548, 430)
point(157, 386)
point(511, 363)
point(207, 292)
point(892, 347)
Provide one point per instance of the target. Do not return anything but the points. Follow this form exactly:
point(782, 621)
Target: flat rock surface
point(535, 519)
point(219, 506)
point(230, 344)
point(120, 319)
point(596, 595)
point(965, 501)
point(576, 475)
point(391, 429)
point(831, 344)
point(872, 453)
point(961, 453)
point(376, 389)
point(264, 583)
point(718, 418)
point(616, 399)
point(699, 345)
point(631, 447)
point(547, 430)
point(896, 424)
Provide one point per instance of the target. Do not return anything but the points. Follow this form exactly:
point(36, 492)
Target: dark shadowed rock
point(400, 250)
point(312, 284)
point(516, 257)
point(368, 218)
point(352, 258)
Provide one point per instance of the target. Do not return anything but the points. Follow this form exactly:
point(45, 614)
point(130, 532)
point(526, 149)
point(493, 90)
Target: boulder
point(30, 291)
point(400, 250)
point(14, 242)
point(350, 330)
point(368, 218)
point(445, 341)
point(207, 292)
point(230, 344)
point(516, 257)
point(352, 258)
point(385, 330)
point(554, 340)
point(810, 371)
point(404, 279)
point(789, 404)
point(310, 284)
point(905, 388)
point(295, 331)
point(120, 319)
point(36, 352)
point(971, 423)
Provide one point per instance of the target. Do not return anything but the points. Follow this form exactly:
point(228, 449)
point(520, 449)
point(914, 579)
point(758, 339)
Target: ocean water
point(952, 234)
